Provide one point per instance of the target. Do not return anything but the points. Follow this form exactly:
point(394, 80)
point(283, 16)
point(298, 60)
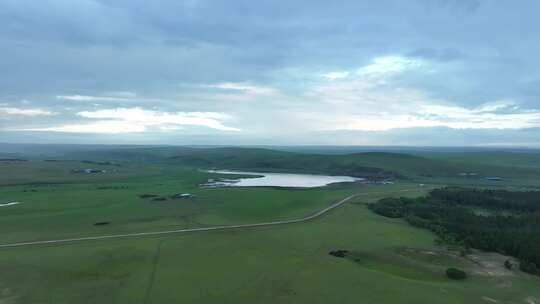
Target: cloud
point(274, 67)
point(244, 87)
point(136, 120)
point(25, 112)
point(94, 98)
point(388, 66)
point(487, 116)
point(336, 75)
point(454, 117)
point(369, 104)
point(125, 94)
point(444, 55)
point(99, 127)
point(498, 106)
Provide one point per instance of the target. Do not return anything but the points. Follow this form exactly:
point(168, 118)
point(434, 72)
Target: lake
point(262, 179)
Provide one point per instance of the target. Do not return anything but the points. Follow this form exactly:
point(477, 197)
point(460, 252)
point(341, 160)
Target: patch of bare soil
point(492, 264)
point(440, 258)
point(6, 296)
point(490, 300)
point(486, 264)
point(531, 300)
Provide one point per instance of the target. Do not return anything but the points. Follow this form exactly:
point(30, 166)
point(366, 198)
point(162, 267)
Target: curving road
point(127, 235)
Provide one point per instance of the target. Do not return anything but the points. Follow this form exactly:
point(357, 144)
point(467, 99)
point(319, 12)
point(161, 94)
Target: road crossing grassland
point(190, 230)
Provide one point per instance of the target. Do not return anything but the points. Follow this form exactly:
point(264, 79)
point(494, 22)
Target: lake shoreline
point(279, 180)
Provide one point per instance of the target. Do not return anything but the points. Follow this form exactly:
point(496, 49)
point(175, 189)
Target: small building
point(467, 174)
point(87, 171)
point(183, 196)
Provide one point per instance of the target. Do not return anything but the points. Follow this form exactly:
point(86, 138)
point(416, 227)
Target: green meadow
point(390, 261)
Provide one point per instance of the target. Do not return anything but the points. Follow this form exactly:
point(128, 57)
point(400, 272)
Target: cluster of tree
point(521, 201)
point(510, 224)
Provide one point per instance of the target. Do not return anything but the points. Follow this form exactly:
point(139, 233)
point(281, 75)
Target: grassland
point(287, 264)
point(393, 262)
point(516, 169)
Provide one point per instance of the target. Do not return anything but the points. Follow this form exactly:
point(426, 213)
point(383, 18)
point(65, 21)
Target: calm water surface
point(284, 179)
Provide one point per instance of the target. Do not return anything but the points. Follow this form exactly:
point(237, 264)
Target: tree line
point(501, 221)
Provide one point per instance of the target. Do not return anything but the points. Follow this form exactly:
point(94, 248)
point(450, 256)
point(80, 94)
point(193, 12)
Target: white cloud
point(498, 106)
point(361, 104)
point(389, 65)
point(133, 120)
point(336, 75)
point(25, 112)
point(433, 115)
point(353, 99)
point(126, 94)
point(244, 87)
point(94, 98)
point(487, 116)
point(119, 96)
point(99, 127)
point(378, 70)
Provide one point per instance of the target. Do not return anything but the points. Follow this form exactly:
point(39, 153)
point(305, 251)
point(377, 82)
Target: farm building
point(183, 196)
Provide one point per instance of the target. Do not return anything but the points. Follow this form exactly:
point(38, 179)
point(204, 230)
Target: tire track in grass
point(155, 262)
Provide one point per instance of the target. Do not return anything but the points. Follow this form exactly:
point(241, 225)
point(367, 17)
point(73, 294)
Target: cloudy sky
point(425, 72)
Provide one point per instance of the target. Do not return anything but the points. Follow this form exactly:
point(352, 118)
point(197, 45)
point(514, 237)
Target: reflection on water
point(278, 180)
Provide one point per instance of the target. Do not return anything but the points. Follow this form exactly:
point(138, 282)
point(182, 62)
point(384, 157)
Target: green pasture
point(288, 264)
point(391, 262)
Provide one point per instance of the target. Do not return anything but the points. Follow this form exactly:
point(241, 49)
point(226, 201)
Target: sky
point(303, 72)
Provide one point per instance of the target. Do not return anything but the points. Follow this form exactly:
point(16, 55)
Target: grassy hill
point(371, 164)
point(503, 159)
point(519, 167)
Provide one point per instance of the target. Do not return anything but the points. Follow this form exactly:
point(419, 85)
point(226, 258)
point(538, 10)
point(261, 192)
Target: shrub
point(389, 207)
point(456, 274)
point(529, 267)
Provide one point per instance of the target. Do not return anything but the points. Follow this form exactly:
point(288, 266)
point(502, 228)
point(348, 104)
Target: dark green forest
point(507, 222)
